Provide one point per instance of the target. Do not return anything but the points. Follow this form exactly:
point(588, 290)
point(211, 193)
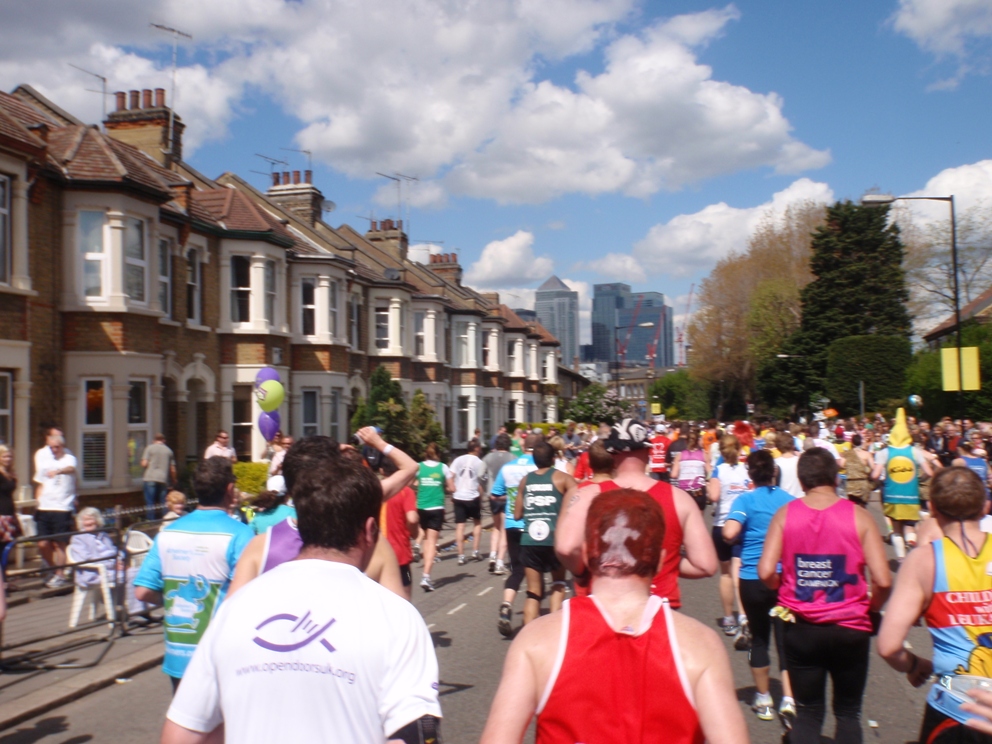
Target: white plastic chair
point(137, 546)
point(89, 596)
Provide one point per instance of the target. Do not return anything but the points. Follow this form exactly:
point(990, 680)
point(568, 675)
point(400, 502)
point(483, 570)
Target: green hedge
point(878, 361)
point(251, 476)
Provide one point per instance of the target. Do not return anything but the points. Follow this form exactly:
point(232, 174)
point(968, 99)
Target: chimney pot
point(400, 225)
point(135, 99)
point(160, 98)
point(296, 177)
point(146, 98)
point(285, 178)
point(121, 100)
point(275, 179)
point(308, 176)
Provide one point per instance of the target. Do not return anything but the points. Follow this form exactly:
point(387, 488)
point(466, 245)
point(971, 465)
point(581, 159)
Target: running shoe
point(500, 570)
point(742, 641)
point(416, 552)
point(492, 564)
point(728, 625)
point(764, 707)
point(505, 624)
point(426, 584)
point(476, 556)
point(787, 714)
point(461, 560)
point(437, 559)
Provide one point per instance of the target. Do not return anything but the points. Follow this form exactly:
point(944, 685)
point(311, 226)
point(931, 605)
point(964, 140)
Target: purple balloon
point(266, 373)
point(268, 424)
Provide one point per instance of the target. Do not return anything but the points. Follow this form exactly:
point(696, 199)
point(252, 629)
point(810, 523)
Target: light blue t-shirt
point(264, 520)
point(192, 563)
point(754, 510)
point(507, 482)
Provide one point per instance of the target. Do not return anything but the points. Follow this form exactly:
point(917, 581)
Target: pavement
point(91, 705)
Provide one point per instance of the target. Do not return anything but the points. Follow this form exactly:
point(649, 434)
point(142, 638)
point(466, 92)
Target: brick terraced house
point(137, 295)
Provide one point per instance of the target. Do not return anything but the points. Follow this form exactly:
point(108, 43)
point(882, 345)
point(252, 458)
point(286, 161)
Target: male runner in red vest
point(630, 447)
point(618, 666)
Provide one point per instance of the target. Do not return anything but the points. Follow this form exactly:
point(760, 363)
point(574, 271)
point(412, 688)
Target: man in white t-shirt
point(468, 477)
point(55, 476)
point(221, 447)
point(352, 662)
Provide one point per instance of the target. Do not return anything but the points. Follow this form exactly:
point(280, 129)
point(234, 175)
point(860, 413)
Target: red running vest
point(666, 583)
point(610, 687)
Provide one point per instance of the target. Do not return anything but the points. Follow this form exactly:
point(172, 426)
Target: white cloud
point(690, 243)
point(509, 260)
point(949, 28)
point(453, 94)
point(523, 297)
point(421, 252)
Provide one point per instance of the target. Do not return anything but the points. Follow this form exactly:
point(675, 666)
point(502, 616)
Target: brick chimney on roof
point(446, 266)
point(389, 236)
point(142, 119)
point(297, 195)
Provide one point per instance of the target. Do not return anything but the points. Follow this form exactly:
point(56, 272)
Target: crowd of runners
point(613, 517)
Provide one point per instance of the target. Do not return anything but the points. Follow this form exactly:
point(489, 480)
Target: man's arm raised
point(406, 466)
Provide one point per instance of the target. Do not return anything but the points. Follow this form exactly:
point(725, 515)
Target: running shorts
point(540, 558)
point(724, 552)
point(54, 522)
point(431, 519)
point(466, 510)
point(405, 575)
point(497, 505)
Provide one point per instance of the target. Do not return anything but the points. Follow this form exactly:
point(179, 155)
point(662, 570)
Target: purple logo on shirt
point(309, 629)
point(822, 573)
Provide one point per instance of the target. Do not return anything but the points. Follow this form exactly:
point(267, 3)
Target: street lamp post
point(881, 200)
point(616, 350)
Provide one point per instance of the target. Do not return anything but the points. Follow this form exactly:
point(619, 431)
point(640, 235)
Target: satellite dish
point(328, 206)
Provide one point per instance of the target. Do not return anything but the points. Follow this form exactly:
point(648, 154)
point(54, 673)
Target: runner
point(947, 585)
point(506, 485)
point(815, 554)
point(495, 461)
point(688, 549)
point(787, 462)
point(658, 461)
point(191, 563)
point(859, 465)
point(901, 463)
point(690, 468)
point(469, 476)
point(748, 520)
point(312, 650)
point(433, 481)
point(728, 480)
point(399, 522)
point(538, 503)
point(618, 666)
point(978, 465)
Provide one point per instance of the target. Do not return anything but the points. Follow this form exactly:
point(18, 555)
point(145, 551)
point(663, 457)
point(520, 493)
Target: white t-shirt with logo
point(734, 481)
point(282, 661)
point(469, 472)
point(58, 492)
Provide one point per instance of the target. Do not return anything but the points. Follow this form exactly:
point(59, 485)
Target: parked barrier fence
point(54, 610)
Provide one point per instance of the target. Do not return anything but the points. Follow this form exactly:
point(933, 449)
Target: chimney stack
point(308, 176)
point(146, 98)
point(447, 267)
point(160, 98)
point(121, 100)
point(135, 99)
point(142, 120)
point(296, 177)
point(275, 179)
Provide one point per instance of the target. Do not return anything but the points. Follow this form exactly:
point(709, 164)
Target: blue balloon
point(268, 424)
point(266, 373)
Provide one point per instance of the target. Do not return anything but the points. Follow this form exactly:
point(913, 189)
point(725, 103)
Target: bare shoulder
point(699, 646)
point(684, 503)
point(540, 635)
point(255, 547)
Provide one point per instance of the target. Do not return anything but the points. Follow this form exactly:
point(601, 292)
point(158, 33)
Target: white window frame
point(271, 283)
point(6, 230)
point(164, 285)
point(354, 313)
point(193, 284)
point(138, 427)
point(238, 426)
point(7, 408)
point(332, 307)
point(308, 310)
point(461, 343)
point(335, 414)
point(310, 428)
point(237, 290)
point(95, 257)
point(419, 342)
point(87, 429)
point(487, 418)
point(382, 324)
point(132, 261)
point(462, 405)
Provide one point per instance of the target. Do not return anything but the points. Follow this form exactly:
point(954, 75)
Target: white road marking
point(430, 626)
point(484, 591)
point(452, 612)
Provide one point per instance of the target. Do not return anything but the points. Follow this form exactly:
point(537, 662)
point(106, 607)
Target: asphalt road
point(461, 616)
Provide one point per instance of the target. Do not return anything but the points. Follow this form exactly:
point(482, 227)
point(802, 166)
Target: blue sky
point(600, 139)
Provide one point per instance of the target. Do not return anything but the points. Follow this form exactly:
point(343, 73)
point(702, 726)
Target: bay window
point(418, 333)
point(461, 349)
point(165, 276)
point(333, 309)
point(311, 413)
point(5, 231)
point(240, 289)
point(335, 425)
point(135, 259)
point(354, 313)
point(138, 435)
point(91, 230)
point(241, 425)
point(270, 292)
point(193, 286)
point(382, 327)
point(463, 433)
point(308, 306)
point(95, 431)
point(6, 408)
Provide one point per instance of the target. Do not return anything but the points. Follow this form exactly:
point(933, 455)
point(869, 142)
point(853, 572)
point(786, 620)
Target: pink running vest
point(823, 566)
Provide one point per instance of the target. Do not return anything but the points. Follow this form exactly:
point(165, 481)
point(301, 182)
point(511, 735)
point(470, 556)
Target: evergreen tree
point(859, 290)
point(425, 428)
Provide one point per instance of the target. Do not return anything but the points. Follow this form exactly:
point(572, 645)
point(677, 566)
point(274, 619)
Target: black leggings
point(757, 600)
point(516, 576)
point(811, 653)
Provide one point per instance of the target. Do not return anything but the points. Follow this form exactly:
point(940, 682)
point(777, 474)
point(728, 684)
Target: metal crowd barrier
point(94, 605)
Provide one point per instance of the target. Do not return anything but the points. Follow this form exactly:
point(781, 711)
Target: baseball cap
point(627, 435)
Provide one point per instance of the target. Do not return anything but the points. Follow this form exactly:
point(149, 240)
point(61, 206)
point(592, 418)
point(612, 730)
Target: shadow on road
point(440, 638)
point(444, 581)
point(43, 729)
point(449, 688)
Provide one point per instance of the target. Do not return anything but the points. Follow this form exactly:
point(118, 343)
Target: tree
point(859, 289)
point(425, 426)
point(596, 405)
point(386, 409)
point(879, 362)
point(681, 395)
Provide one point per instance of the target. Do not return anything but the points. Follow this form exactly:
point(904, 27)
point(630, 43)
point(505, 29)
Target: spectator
point(191, 563)
point(276, 481)
point(221, 448)
point(175, 504)
point(10, 528)
point(270, 509)
point(55, 474)
point(160, 465)
point(91, 547)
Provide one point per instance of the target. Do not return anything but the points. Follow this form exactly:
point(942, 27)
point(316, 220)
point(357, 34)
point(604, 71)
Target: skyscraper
point(615, 306)
point(557, 308)
point(607, 299)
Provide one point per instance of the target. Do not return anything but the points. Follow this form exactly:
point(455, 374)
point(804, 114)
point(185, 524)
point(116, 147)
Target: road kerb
point(77, 686)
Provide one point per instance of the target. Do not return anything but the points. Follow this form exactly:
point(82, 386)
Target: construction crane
point(653, 346)
point(680, 336)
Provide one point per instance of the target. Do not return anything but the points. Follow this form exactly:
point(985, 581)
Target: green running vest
point(430, 486)
point(542, 502)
